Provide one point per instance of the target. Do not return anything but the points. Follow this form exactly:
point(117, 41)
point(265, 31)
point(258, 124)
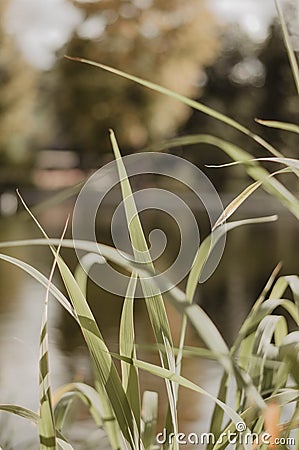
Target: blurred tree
point(166, 41)
point(247, 81)
point(18, 87)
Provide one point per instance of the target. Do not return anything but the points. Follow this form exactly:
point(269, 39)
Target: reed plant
point(262, 362)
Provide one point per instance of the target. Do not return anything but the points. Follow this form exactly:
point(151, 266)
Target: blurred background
point(54, 121)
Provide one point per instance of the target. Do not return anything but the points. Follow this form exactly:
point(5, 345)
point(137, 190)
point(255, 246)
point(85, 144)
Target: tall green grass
point(263, 360)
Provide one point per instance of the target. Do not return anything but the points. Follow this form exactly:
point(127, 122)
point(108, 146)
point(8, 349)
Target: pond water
point(250, 255)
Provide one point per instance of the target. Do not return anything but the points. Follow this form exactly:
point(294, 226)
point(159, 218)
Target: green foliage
point(263, 360)
point(265, 370)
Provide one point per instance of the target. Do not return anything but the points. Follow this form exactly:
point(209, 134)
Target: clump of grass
point(263, 360)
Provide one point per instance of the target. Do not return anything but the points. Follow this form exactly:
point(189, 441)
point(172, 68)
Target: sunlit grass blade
point(21, 412)
point(293, 282)
point(288, 352)
point(34, 418)
point(207, 246)
point(289, 162)
point(280, 331)
point(279, 288)
point(154, 301)
point(263, 347)
point(268, 286)
point(130, 378)
point(185, 100)
point(279, 125)
point(236, 203)
point(105, 368)
point(288, 45)
point(46, 424)
point(247, 324)
point(149, 417)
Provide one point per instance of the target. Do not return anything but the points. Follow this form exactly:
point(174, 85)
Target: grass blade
point(154, 301)
point(236, 203)
point(182, 381)
point(38, 276)
point(130, 378)
point(106, 372)
point(33, 417)
point(46, 424)
point(192, 103)
point(86, 393)
point(206, 249)
point(150, 417)
point(81, 275)
point(293, 282)
point(105, 369)
point(239, 156)
point(21, 412)
point(288, 45)
point(279, 125)
point(218, 413)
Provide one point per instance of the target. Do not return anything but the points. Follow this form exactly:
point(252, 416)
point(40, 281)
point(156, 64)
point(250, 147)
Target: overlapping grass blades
point(202, 323)
point(46, 423)
point(106, 375)
point(262, 309)
point(154, 301)
point(262, 373)
point(105, 371)
point(256, 172)
point(250, 164)
point(263, 359)
point(127, 348)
